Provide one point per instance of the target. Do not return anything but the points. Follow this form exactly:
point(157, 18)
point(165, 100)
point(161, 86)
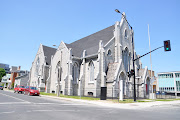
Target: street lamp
point(133, 53)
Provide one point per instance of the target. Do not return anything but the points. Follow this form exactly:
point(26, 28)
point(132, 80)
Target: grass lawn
point(78, 97)
point(50, 94)
point(67, 96)
point(110, 100)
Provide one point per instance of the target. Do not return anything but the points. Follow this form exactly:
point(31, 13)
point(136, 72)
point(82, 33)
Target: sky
point(24, 24)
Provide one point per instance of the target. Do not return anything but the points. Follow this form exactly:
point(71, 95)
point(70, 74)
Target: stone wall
point(37, 74)
point(62, 56)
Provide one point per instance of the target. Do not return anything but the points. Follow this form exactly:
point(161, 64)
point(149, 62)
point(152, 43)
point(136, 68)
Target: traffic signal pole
point(134, 69)
point(134, 66)
point(147, 53)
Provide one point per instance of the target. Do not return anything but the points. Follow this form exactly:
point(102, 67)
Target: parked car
point(19, 89)
point(30, 90)
point(1, 87)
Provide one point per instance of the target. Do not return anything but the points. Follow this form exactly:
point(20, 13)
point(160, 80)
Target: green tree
point(2, 73)
point(12, 86)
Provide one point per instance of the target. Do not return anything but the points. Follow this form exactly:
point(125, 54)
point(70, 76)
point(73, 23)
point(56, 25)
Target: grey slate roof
point(48, 51)
point(24, 79)
point(91, 42)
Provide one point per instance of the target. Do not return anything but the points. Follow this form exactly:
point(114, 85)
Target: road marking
point(14, 97)
point(104, 109)
point(55, 104)
point(9, 103)
point(42, 110)
point(65, 110)
point(7, 112)
point(70, 104)
point(43, 103)
point(53, 110)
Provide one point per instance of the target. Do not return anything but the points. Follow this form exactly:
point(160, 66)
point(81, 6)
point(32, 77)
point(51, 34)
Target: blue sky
point(24, 24)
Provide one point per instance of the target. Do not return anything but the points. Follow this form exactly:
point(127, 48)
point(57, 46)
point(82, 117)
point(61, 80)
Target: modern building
point(5, 66)
point(169, 82)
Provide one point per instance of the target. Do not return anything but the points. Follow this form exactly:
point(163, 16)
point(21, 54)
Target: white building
point(98, 60)
point(94, 62)
point(39, 72)
point(6, 80)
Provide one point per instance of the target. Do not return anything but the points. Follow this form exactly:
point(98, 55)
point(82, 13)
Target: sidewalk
point(6, 89)
point(137, 105)
point(105, 103)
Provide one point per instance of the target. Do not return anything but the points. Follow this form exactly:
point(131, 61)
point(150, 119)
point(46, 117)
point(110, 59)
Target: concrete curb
point(138, 105)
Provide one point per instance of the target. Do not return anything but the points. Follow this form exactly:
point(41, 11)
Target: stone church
point(99, 60)
point(40, 69)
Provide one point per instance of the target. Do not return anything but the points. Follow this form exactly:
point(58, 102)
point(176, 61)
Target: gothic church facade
point(98, 60)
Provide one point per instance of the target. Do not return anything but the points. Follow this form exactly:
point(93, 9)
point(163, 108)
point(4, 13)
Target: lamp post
point(133, 53)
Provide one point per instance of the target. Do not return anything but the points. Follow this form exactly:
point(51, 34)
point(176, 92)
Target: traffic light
point(129, 74)
point(132, 72)
point(167, 45)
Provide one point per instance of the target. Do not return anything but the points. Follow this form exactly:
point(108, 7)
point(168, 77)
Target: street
point(15, 106)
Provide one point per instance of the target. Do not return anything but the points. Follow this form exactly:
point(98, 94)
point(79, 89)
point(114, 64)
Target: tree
point(12, 86)
point(2, 73)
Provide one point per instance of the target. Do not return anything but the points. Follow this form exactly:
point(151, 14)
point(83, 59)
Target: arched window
point(125, 33)
point(58, 71)
point(91, 71)
point(37, 66)
point(109, 52)
point(126, 60)
point(75, 72)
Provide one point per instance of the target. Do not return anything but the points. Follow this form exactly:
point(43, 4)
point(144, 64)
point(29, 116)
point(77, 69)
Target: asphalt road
point(15, 106)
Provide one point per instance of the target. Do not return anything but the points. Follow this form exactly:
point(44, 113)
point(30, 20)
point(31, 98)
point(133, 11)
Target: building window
point(58, 71)
point(125, 33)
point(90, 93)
point(177, 75)
point(126, 59)
point(109, 52)
point(37, 66)
point(75, 73)
point(91, 71)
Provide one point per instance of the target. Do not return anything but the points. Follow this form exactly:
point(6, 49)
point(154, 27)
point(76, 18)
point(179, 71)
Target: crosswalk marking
point(10, 103)
point(7, 112)
point(14, 97)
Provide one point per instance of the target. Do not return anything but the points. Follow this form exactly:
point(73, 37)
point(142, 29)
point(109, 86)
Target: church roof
point(91, 42)
point(48, 52)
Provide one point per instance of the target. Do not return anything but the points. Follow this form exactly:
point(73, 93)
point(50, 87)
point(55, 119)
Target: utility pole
point(151, 64)
point(134, 69)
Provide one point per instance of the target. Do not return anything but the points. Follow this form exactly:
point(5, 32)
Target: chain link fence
point(165, 95)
